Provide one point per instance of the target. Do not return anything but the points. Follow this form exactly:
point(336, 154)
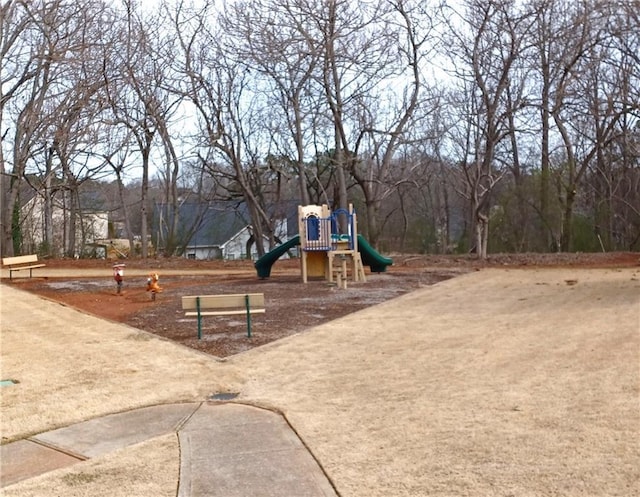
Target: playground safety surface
point(292, 306)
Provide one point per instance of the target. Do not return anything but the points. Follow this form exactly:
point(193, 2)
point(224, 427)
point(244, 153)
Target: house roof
point(219, 224)
point(207, 224)
point(213, 224)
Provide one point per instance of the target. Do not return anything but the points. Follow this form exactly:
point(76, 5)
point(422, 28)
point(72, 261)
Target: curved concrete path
point(225, 449)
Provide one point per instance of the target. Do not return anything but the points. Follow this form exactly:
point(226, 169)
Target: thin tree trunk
point(566, 240)
point(125, 208)
point(48, 205)
point(144, 192)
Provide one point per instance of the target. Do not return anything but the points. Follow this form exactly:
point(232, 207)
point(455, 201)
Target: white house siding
point(95, 226)
point(203, 253)
point(233, 249)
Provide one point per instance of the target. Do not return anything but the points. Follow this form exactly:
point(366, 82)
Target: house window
point(191, 256)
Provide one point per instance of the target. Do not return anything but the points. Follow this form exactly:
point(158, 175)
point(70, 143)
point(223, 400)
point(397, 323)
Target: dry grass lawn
point(495, 383)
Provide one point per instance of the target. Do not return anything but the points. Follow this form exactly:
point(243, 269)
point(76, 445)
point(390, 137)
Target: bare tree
point(585, 113)
point(272, 37)
point(26, 73)
point(139, 99)
point(229, 111)
point(73, 119)
point(553, 39)
point(116, 156)
point(49, 47)
point(387, 127)
point(329, 101)
point(485, 41)
point(615, 175)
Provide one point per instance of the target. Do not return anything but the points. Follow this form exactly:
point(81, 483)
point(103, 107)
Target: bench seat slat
point(20, 268)
point(229, 301)
point(225, 313)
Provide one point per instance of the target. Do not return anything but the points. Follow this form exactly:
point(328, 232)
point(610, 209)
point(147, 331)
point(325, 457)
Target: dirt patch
point(292, 306)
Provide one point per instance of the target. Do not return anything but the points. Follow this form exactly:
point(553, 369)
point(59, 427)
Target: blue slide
point(263, 265)
point(370, 257)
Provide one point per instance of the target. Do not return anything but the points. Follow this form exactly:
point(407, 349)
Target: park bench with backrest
point(22, 263)
point(223, 305)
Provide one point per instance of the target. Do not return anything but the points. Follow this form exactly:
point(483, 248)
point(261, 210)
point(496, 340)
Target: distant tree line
point(475, 125)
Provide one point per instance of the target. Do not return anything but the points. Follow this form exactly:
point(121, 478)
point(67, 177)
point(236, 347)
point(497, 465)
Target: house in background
point(215, 230)
point(89, 227)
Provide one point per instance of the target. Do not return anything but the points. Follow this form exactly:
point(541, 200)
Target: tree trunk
point(11, 229)
point(373, 230)
point(47, 195)
point(566, 240)
point(482, 235)
point(544, 152)
point(302, 178)
point(144, 194)
point(125, 208)
point(73, 216)
point(11, 235)
point(171, 190)
point(144, 229)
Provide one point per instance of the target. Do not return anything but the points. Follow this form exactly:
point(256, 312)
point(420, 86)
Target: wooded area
point(485, 125)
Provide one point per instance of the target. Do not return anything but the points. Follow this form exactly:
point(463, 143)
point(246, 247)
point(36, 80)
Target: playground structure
point(325, 235)
point(330, 247)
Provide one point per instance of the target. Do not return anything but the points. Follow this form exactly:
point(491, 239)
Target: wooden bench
point(223, 305)
point(21, 263)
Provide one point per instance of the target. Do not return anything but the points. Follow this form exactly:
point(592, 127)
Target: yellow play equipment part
point(325, 236)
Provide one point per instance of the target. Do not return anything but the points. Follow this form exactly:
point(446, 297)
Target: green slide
point(370, 257)
point(263, 265)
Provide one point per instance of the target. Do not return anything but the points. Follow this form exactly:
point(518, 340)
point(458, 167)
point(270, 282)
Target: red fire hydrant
point(153, 285)
point(118, 275)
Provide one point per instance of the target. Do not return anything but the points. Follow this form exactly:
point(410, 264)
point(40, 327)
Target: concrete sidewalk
point(225, 449)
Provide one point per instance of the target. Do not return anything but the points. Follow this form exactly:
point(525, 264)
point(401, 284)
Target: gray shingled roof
point(213, 224)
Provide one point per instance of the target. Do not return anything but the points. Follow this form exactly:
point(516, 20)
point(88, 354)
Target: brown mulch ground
point(292, 307)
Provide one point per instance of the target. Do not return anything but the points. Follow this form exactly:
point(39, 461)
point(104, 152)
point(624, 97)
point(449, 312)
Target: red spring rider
point(118, 275)
point(153, 286)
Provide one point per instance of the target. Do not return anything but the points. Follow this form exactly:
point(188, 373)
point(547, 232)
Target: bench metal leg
point(246, 303)
point(199, 318)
